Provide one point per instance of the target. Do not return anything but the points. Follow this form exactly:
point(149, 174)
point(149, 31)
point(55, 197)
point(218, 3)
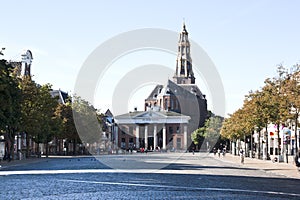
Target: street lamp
point(2, 49)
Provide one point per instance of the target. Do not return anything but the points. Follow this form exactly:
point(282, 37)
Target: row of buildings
point(171, 113)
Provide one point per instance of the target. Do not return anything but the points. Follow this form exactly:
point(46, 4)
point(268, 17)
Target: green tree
point(213, 128)
point(10, 98)
point(46, 106)
point(38, 107)
point(87, 121)
point(292, 92)
point(69, 131)
point(279, 109)
point(210, 132)
point(198, 136)
point(30, 116)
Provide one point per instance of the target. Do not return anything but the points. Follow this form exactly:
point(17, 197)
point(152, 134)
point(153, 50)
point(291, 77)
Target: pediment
point(149, 114)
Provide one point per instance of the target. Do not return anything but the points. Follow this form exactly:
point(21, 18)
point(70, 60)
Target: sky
point(245, 40)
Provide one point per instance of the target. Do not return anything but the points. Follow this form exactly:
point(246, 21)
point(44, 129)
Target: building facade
point(171, 113)
point(152, 130)
point(181, 95)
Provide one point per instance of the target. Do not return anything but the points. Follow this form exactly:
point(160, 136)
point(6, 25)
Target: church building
point(172, 111)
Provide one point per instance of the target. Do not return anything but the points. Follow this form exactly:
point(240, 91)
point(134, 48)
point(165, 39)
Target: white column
point(116, 137)
point(137, 136)
point(185, 137)
point(146, 137)
point(154, 136)
point(164, 138)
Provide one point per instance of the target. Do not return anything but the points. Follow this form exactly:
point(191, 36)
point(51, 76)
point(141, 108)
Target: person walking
point(219, 152)
point(224, 152)
point(242, 156)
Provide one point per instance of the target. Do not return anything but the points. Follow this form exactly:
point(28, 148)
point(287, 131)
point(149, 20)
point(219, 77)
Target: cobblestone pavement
point(137, 176)
point(285, 169)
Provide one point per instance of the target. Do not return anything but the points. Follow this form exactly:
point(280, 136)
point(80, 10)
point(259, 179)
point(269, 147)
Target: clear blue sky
point(245, 39)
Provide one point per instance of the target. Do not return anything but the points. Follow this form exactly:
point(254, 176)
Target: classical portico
point(152, 129)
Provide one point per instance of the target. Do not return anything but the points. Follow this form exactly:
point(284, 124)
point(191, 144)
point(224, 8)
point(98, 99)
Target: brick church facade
point(172, 111)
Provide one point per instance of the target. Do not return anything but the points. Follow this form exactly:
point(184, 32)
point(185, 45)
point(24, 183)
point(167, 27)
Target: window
point(123, 143)
point(131, 142)
point(170, 130)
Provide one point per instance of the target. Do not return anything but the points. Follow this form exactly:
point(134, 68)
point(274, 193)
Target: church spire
point(184, 71)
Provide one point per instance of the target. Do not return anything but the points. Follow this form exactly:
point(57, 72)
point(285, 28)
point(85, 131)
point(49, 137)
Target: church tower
point(27, 60)
point(184, 70)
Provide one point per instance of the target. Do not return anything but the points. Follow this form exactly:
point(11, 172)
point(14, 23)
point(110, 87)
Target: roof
point(175, 89)
point(155, 92)
point(62, 96)
point(192, 88)
point(108, 113)
point(150, 116)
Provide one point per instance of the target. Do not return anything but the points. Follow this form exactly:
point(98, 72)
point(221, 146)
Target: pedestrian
point(215, 151)
point(242, 156)
point(219, 152)
point(224, 152)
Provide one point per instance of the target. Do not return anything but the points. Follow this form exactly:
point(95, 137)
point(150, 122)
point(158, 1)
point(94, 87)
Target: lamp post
point(1, 51)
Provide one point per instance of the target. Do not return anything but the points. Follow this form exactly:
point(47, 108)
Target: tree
point(10, 98)
point(69, 131)
point(210, 132)
point(198, 136)
point(213, 129)
point(37, 119)
point(292, 91)
point(279, 107)
point(87, 121)
point(30, 116)
point(46, 106)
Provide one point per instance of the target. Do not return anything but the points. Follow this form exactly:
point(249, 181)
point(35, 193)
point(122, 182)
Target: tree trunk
point(251, 143)
point(7, 150)
point(11, 137)
point(12, 152)
point(74, 147)
point(38, 150)
point(259, 150)
point(278, 142)
point(67, 147)
point(47, 149)
point(245, 147)
point(267, 142)
point(296, 138)
point(27, 146)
